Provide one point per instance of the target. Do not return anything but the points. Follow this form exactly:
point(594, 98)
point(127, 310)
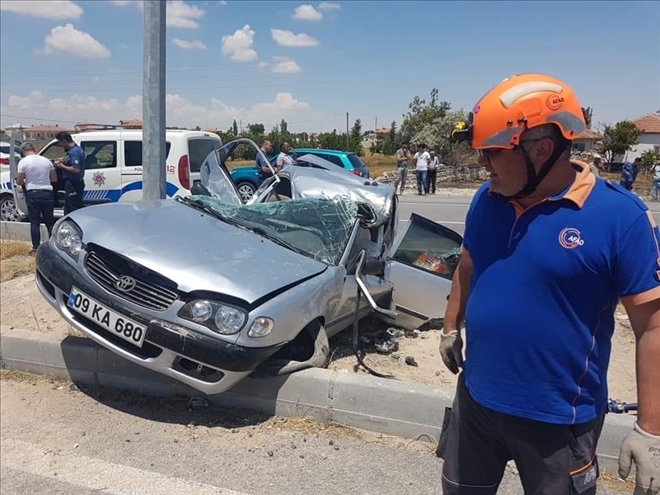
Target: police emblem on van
point(99, 179)
point(570, 238)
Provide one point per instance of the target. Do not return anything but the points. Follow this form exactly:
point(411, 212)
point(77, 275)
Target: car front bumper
point(207, 364)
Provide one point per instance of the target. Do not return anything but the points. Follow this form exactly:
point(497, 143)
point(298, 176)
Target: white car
point(114, 167)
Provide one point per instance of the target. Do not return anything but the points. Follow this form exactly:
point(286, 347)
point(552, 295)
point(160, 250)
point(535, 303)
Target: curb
point(19, 231)
point(380, 405)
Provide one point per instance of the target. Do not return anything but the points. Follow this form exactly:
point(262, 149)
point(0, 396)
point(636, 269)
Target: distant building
point(131, 124)
point(649, 125)
point(586, 141)
point(42, 132)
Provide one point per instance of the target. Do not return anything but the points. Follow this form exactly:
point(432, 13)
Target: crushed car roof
point(309, 182)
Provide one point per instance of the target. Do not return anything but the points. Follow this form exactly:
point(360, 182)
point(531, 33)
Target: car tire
point(8, 211)
point(246, 190)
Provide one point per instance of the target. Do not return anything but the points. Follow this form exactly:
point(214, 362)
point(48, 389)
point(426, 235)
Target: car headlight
point(219, 317)
point(68, 238)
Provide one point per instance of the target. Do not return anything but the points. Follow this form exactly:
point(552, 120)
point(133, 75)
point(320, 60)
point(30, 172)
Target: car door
point(14, 157)
point(102, 173)
point(423, 260)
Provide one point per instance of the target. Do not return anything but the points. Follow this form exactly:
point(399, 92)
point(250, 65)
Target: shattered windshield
point(315, 227)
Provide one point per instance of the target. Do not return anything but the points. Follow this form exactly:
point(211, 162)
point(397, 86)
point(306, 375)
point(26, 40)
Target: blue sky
point(365, 58)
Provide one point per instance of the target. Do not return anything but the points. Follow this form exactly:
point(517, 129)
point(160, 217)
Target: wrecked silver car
point(206, 289)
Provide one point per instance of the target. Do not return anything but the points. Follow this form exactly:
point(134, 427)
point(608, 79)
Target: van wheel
point(246, 190)
point(8, 211)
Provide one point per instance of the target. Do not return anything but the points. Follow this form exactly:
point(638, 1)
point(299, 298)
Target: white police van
point(114, 167)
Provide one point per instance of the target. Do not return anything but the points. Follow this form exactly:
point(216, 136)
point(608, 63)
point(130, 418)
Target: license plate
point(122, 327)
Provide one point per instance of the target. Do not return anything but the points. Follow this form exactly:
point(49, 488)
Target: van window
point(100, 154)
point(53, 152)
point(133, 153)
point(198, 150)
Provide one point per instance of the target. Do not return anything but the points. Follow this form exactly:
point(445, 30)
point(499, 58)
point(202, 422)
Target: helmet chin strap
point(534, 179)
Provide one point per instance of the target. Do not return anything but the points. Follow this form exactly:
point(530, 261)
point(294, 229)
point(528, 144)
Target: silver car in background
point(206, 289)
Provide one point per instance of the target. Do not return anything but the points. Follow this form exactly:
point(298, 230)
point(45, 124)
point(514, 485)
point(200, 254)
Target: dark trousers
point(432, 175)
point(40, 207)
point(476, 444)
point(74, 195)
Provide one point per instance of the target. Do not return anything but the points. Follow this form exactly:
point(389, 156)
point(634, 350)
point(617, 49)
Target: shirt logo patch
point(99, 179)
point(570, 238)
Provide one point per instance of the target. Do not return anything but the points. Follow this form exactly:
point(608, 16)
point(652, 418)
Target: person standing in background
point(656, 181)
point(432, 173)
point(73, 172)
point(422, 169)
point(37, 174)
point(402, 158)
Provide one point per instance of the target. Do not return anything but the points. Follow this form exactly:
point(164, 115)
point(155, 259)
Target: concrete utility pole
point(153, 101)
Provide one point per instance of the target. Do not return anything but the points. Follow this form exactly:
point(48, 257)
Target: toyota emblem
point(124, 283)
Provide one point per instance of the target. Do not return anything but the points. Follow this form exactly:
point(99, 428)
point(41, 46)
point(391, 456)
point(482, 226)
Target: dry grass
point(15, 259)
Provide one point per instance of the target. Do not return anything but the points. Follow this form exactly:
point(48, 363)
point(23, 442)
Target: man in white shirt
point(283, 158)
point(422, 169)
point(36, 174)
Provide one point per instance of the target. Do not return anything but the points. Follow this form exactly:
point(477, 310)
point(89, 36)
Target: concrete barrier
point(391, 407)
point(19, 231)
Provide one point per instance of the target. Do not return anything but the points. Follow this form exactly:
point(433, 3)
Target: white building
point(649, 124)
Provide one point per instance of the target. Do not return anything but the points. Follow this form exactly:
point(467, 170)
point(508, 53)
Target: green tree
point(619, 139)
point(356, 137)
point(420, 114)
point(234, 128)
point(588, 113)
point(649, 159)
point(436, 136)
point(390, 146)
point(256, 129)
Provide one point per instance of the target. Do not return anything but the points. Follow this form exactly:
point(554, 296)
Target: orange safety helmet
point(518, 103)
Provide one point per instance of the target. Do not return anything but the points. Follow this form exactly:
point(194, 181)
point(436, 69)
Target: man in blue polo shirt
point(263, 172)
point(73, 172)
point(549, 250)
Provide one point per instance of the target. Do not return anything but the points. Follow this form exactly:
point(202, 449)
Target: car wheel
point(8, 211)
point(246, 190)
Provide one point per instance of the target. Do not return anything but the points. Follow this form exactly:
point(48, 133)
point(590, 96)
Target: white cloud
point(179, 14)
point(183, 15)
point(238, 46)
point(189, 45)
point(222, 2)
point(286, 38)
point(49, 9)
point(69, 40)
point(180, 110)
point(287, 67)
point(329, 6)
point(282, 65)
point(307, 13)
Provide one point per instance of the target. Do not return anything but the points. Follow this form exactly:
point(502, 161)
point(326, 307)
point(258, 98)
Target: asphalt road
point(450, 211)
point(58, 440)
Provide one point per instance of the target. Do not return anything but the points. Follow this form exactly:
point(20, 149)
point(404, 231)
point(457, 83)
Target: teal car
point(247, 179)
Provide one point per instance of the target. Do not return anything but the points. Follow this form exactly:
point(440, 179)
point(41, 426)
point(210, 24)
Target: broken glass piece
point(315, 227)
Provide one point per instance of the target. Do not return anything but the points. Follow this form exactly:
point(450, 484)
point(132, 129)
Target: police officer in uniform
point(73, 172)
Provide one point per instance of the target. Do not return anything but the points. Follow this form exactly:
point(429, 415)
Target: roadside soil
point(22, 307)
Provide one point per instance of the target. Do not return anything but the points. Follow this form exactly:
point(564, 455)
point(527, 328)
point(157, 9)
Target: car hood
point(195, 250)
